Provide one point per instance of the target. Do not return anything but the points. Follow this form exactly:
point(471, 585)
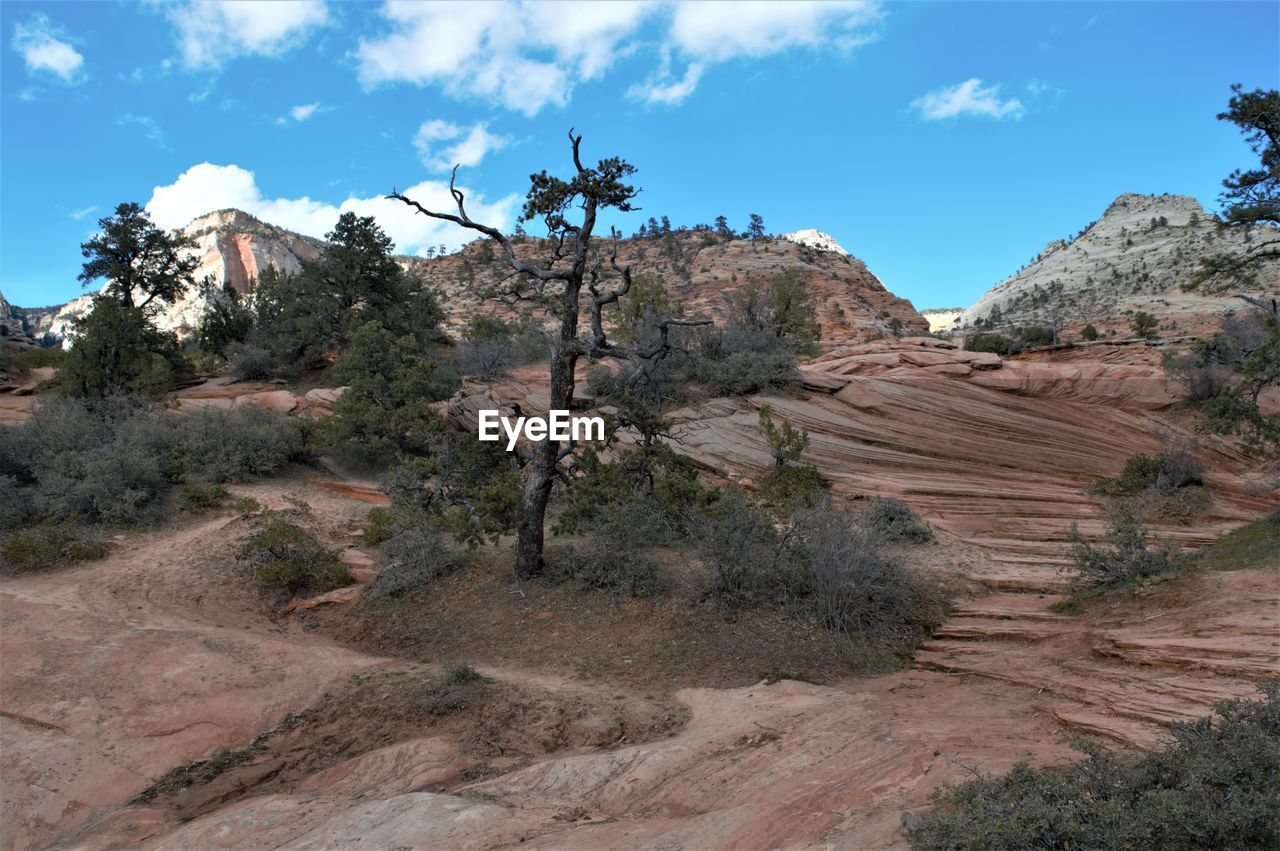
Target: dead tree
point(558, 281)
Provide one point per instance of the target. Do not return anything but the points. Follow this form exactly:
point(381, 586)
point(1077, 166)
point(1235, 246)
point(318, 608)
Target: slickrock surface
point(116, 671)
point(119, 671)
point(996, 452)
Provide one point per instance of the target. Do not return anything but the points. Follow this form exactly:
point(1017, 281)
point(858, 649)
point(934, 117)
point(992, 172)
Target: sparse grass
point(1256, 545)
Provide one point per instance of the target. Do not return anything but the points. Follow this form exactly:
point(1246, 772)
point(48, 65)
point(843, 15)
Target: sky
point(942, 143)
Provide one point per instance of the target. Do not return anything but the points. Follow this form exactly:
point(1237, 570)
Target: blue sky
point(942, 143)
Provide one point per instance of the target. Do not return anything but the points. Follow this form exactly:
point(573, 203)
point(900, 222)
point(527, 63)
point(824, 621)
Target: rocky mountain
point(233, 248)
point(700, 269)
point(703, 271)
point(1136, 257)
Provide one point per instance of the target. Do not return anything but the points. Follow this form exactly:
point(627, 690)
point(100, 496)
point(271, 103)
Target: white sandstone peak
point(815, 239)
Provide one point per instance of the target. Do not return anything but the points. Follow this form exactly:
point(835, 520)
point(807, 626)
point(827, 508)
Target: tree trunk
point(541, 472)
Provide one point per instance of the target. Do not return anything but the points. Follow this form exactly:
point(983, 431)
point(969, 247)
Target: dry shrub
point(855, 586)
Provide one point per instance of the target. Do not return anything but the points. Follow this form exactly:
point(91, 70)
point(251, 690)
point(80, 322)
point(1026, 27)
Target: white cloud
point(469, 145)
point(725, 29)
point(662, 88)
point(210, 33)
point(967, 98)
point(150, 128)
point(704, 33)
point(302, 112)
point(472, 49)
point(44, 51)
point(529, 55)
point(80, 214)
point(206, 187)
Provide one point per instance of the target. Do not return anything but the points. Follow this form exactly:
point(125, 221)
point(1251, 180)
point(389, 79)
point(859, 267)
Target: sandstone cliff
point(1136, 257)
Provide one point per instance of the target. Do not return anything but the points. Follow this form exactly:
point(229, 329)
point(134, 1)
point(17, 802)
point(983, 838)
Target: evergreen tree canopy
point(138, 259)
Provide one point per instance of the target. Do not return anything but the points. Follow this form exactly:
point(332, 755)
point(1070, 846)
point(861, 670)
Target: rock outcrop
point(703, 272)
point(815, 239)
point(1136, 257)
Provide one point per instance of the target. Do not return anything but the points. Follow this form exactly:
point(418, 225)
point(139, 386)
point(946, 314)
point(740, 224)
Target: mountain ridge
point(1136, 256)
point(701, 269)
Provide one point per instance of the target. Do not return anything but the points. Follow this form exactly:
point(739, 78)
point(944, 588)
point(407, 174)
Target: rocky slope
point(703, 272)
point(233, 248)
point(1136, 257)
point(13, 329)
point(815, 239)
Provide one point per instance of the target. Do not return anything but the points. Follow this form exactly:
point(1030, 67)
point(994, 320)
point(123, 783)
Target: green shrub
point(246, 505)
point(113, 460)
point(101, 462)
point(989, 342)
point(216, 445)
point(202, 497)
point(457, 673)
point(1122, 557)
point(748, 557)
point(790, 485)
point(490, 345)
point(739, 362)
point(247, 362)
point(621, 571)
point(419, 556)
point(1035, 335)
point(893, 520)
point(286, 557)
point(616, 558)
point(48, 545)
point(226, 322)
point(1167, 485)
point(1216, 784)
point(1167, 471)
point(453, 690)
point(378, 525)
point(1145, 325)
point(1089, 333)
point(386, 412)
